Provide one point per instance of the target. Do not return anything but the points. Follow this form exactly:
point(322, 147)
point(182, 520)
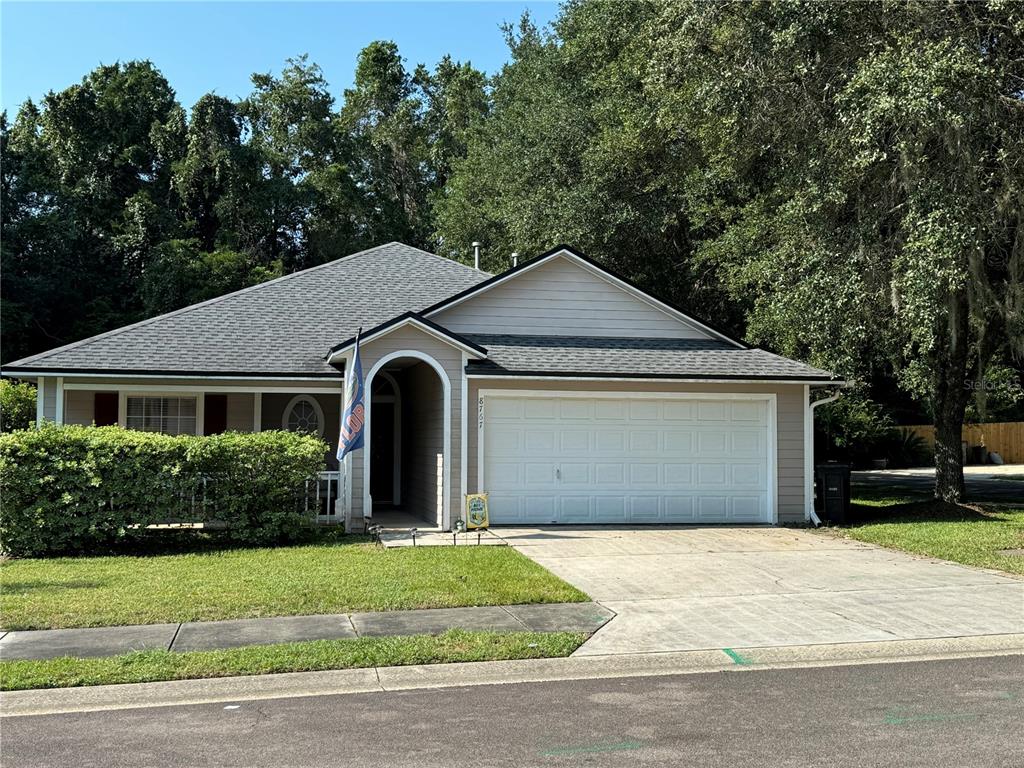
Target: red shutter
point(215, 414)
point(104, 408)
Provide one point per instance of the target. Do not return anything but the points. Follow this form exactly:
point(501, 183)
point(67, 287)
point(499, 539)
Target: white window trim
point(124, 394)
point(316, 407)
point(444, 523)
point(770, 398)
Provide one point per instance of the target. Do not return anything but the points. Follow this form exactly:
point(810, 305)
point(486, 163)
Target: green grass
point(151, 666)
point(972, 535)
point(338, 577)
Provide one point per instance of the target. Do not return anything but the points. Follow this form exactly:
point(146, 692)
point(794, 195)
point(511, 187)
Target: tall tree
point(89, 196)
point(383, 115)
point(874, 161)
point(572, 151)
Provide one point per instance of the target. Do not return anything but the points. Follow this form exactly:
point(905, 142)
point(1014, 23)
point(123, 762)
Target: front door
point(382, 459)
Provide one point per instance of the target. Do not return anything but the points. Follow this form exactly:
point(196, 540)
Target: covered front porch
point(405, 444)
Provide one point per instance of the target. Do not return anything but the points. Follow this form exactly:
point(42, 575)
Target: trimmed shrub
point(17, 405)
point(83, 489)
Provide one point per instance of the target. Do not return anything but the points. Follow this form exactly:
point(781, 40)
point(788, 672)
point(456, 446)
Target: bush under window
point(81, 489)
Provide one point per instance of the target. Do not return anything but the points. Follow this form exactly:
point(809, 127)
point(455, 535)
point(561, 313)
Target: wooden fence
point(1005, 438)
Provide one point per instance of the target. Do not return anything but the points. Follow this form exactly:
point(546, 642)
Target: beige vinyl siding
point(790, 427)
point(450, 359)
point(240, 412)
point(49, 398)
point(79, 405)
point(562, 298)
point(423, 456)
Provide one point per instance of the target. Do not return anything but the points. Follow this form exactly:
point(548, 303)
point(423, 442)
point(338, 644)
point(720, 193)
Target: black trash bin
point(834, 484)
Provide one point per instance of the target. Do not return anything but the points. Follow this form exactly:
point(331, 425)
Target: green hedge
point(81, 489)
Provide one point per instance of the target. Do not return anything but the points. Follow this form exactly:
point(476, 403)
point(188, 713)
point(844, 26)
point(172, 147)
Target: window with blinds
point(170, 415)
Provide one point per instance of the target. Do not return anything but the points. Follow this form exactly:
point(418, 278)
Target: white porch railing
point(325, 497)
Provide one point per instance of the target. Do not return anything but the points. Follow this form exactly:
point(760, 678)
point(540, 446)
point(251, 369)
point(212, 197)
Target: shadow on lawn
point(23, 588)
point(924, 511)
point(182, 541)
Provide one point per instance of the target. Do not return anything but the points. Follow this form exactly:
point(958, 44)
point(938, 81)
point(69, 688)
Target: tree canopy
point(841, 183)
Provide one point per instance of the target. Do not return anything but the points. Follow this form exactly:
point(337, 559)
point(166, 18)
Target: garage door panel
point(741, 410)
point(536, 474)
point(712, 508)
point(540, 441)
point(680, 442)
point(644, 440)
point(644, 474)
point(747, 443)
point(576, 474)
point(678, 411)
point(712, 411)
point(712, 475)
point(747, 475)
point(574, 509)
point(677, 475)
point(570, 409)
point(645, 509)
point(679, 509)
point(610, 441)
point(575, 441)
point(542, 410)
point(645, 410)
point(747, 509)
point(622, 460)
point(506, 475)
point(610, 509)
point(712, 443)
point(609, 474)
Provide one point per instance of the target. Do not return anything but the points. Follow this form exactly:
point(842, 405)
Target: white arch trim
point(445, 522)
point(316, 407)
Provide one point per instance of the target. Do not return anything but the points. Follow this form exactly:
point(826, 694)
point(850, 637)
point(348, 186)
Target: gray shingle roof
point(284, 326)
point(641, 358)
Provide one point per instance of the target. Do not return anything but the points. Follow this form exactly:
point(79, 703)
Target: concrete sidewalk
point(214, 635)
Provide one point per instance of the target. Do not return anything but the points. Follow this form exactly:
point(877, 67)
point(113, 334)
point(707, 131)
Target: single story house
point(562, 390)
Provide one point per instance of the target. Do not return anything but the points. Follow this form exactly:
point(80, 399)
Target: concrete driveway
point(676, 589)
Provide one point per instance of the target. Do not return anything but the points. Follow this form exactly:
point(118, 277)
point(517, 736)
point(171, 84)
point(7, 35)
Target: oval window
point(304, 414)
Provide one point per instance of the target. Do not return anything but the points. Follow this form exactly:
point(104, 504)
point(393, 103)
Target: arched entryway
point(407, 471)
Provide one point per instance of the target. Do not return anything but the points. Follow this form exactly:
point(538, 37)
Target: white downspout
point(809, 514)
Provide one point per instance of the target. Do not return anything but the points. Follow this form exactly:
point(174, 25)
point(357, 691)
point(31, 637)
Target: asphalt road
point(980, 488)
point(940, 713)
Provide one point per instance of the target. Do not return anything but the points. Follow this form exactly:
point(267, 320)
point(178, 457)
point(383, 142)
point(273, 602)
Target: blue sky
point(201, 46)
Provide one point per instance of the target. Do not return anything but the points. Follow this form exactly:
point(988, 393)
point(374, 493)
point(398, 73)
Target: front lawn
point(150, 666)
point(338, 577)
point(972, 535)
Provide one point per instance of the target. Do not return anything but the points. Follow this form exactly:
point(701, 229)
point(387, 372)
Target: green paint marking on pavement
point(621, 746)
point(892, 719)
point(736, 657)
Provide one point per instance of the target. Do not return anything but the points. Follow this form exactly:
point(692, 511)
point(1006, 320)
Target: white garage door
point(627, 459)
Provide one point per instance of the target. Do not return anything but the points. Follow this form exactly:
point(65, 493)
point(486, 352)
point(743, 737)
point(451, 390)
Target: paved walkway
point(681, 589)
point(213, 635)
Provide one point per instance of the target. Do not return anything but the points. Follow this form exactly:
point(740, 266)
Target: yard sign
point(476, 511)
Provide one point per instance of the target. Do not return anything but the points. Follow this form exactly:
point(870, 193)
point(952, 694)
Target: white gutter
point(809, 514)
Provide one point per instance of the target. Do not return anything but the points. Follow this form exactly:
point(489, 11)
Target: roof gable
point(564, 293)
point(283, 326)
point(407, 320)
